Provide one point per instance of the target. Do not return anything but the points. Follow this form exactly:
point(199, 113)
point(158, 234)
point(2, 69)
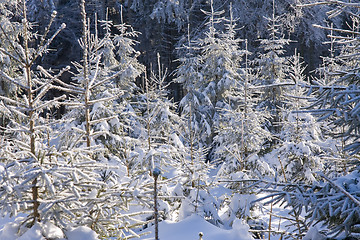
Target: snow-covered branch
point(341, 189)
point(11, 80)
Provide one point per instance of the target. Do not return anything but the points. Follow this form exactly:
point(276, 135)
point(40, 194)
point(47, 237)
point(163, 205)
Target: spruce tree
point(301, 145)
point(47, 184)
point(273, 72)
point(26, 127)
point(97, 124)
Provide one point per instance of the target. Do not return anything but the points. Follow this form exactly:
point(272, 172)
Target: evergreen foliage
point(338, 99)
point(254, 135)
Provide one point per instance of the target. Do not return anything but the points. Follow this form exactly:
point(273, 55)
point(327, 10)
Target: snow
point(33, 233)
point(52, 232)
point(81, 233)
point(313, 234)
point(11, 230)
point(190, 227)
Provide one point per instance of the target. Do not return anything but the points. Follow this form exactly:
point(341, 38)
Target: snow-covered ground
point(188, 229)
point(10, 230)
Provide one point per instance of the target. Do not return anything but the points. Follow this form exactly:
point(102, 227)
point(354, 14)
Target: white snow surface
point(313, 234)
point(9, 230)
point(189, 229)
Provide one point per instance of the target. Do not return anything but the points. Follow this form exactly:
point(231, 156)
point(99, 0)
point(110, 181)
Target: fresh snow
point(81, 233)
point(190, 227)
point(10, 230)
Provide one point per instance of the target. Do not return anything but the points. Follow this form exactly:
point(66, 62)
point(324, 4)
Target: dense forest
point(232, 110)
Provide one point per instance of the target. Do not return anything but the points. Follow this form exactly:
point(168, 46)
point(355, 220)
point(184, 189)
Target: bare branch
point(96, 71)
point(110, 77)
point(46, 87)
point(14, 102)
point(331, 2)
point(67, 87)
point(49, 103)
point(51, 78)
point(104, 99)
point(12, 56)
point(274, 85)
point(47, 29)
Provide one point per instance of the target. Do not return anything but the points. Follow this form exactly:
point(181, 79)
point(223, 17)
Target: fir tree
point(195, 105)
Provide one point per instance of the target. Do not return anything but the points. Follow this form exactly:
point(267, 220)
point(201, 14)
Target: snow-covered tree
point(8, 64)
point(218, 68)
point(47, 174)
point(99, 115)
point(337, 206)
point(105, 87)
point(195, 106)
point(47, 184)
point(330, 207)
point(158, 125)
point(26, 128)
point(157, 129)
point(206, 77)
point(273, 72)
point(299, 151)
point(240, 129)
point(338, 100)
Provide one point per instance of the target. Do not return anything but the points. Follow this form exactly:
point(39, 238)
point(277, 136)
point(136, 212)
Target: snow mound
point(12, 230)
point(190, 227)
point(81, 233)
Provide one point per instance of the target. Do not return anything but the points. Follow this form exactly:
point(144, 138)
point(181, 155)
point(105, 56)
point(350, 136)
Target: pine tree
point(111, 73)
point(339, 159)
point(45, 176)
point(335, 202)
point(212, 74)
point(240, 132)
point(337, 206)
point(7, 63)
point(192, 182)
point(240, 136)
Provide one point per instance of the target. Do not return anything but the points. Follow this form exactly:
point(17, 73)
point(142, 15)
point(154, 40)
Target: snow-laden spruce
point(99, 116)
point(38, 179)
point(42, 177)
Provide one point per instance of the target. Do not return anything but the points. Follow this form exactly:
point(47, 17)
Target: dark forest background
point(164, 26)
